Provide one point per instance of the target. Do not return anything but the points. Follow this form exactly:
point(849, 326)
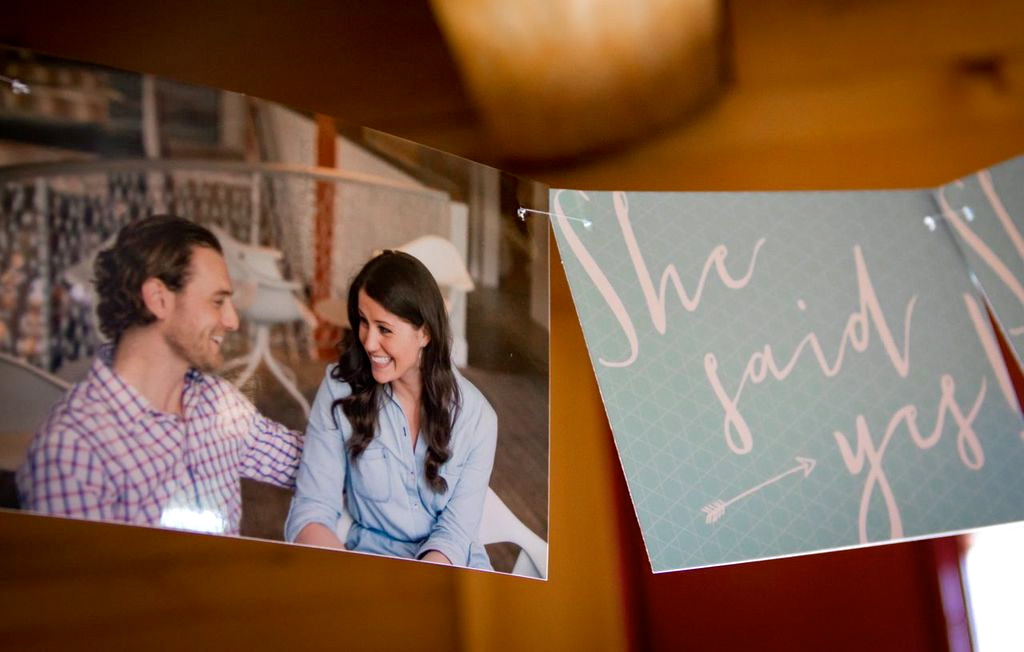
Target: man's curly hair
point(156, 247)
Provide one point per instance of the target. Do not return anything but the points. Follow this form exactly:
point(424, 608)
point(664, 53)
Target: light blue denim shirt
point(393, 508)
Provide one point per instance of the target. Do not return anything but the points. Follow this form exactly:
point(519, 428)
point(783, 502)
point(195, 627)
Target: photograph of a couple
point(342, 347)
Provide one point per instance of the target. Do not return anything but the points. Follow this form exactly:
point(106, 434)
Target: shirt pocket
point(451, 473)
point(371, 474)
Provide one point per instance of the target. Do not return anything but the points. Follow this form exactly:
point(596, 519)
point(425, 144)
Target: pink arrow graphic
point(716, 509)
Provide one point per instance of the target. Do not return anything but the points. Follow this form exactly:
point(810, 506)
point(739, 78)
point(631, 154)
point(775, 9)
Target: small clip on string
point(587, 224)
point(17, 86)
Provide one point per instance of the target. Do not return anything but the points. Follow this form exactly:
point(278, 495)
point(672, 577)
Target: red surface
point(880, 598)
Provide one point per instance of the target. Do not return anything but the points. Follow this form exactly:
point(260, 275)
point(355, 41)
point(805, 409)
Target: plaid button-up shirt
point(104, 454)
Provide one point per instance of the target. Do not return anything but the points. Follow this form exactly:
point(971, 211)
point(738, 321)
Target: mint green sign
point(986, 214)
point(787, 373)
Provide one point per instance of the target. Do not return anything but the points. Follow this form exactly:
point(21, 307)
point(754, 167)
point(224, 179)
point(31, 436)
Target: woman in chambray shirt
point(397, 436)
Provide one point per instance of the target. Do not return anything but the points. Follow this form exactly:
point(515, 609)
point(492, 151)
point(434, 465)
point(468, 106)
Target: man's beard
point(189, 353)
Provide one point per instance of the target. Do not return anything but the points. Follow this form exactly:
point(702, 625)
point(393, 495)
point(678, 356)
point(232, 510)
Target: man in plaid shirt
point(152, 436)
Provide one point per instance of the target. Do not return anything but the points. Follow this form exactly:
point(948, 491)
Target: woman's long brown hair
point(403, 286)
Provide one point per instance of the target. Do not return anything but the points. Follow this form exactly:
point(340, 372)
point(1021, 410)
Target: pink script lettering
point(856, 334)
point(967, 444)
point(656, 300)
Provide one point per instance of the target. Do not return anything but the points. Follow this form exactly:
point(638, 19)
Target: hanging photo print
point(222, 315)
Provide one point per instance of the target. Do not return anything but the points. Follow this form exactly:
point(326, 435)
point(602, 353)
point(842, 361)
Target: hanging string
point(587, 224)
point(19, 87)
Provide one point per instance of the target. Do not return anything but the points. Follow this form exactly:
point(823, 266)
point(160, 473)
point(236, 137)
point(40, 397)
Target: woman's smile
point(392, 344)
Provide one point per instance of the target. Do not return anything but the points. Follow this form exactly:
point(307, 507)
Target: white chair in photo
point(445, 263)
point(27, 394)
point(500, 525)
point(264, 299)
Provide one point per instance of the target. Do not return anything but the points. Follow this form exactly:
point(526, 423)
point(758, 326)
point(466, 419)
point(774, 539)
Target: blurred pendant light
point(560, 78)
